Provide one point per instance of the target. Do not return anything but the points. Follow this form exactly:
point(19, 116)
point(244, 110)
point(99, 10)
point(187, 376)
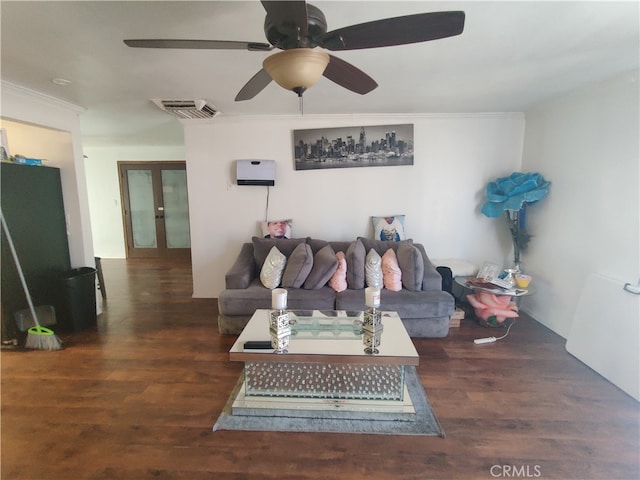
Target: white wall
point(104, 191)
point(64, 151)
point(441, 194)
point(587, 144)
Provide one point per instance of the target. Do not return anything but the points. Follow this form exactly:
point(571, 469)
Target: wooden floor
point(137, 396)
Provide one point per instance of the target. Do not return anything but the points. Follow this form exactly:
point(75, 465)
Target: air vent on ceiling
point(187, 108)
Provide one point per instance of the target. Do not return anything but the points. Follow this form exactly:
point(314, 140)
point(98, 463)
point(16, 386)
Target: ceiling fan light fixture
point(296, 69)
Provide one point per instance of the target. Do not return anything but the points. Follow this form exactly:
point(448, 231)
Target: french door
point(155, 209)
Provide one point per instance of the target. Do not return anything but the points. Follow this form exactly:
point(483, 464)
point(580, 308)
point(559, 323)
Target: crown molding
point(353, 117)
point(38, 96)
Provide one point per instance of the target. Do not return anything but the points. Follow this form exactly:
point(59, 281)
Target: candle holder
point(372, 331)
point(372, 322)
point(279, 326)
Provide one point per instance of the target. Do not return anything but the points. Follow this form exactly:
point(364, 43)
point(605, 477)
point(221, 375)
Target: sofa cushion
point(411, 265)
point(381, 246)
point(422, 305)
point(316, 244)
point(271, 272)
point(432, 279)
point(338, 246)
point(338, 280)
point(243, 269)
point(355, 265)
point(247, 300)
point(298, 266)
point(391, 273)
point(373, 269)
point(262, 247)
point(325, 264)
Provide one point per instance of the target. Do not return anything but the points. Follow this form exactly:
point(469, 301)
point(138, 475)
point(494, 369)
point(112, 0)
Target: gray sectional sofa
point(421, 303)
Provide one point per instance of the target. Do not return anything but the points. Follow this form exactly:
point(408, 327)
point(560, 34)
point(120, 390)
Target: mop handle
point(19, 268)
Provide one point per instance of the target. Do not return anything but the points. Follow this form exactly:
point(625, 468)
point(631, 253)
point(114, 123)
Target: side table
point(492, 304)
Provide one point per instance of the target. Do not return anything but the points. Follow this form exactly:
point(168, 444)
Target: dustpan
point(46, 315)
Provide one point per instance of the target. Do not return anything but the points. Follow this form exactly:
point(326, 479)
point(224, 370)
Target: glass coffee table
point(326, 371)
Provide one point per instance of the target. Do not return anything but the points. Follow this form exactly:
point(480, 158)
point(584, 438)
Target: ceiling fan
point(298, 28)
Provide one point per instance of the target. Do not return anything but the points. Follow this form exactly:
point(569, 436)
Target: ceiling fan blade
point(348, 76)
point(290, 14)
point(254, 86)
point(421, 27)
point(199, 44)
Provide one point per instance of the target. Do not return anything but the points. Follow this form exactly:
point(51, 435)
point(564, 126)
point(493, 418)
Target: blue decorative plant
point(510, 196)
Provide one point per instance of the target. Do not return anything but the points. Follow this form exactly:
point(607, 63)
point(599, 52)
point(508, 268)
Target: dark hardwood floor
point(137, 396)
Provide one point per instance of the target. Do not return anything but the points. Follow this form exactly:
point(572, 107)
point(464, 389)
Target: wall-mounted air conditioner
point(256, 172)
point(187, 108)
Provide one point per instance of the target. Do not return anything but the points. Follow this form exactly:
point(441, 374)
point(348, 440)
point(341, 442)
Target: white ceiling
point(512, 55)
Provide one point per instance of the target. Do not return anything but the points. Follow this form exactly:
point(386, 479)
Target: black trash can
point(76, 305)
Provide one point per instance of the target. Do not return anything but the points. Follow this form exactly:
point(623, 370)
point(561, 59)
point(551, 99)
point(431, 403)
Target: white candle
point(278, 299)
point(372, 297)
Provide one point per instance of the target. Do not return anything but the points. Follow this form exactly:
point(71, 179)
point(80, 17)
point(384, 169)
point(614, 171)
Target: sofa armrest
point(243, 270)
point(432, 279)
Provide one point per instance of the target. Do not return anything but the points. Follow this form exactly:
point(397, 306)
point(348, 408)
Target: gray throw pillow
point(355, 265)
point(298, 266)
point(325, 264)
point(412, 266)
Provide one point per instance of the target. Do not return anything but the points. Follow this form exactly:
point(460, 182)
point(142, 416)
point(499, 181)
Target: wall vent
point(187, 108)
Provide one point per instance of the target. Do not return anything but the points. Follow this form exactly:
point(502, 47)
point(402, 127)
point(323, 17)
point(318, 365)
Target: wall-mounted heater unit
point(256, 172)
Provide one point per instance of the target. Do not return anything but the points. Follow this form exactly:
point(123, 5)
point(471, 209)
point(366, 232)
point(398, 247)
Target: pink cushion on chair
point(391, 273)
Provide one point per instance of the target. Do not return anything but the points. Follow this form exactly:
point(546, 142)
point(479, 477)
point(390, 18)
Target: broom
point(38, 337)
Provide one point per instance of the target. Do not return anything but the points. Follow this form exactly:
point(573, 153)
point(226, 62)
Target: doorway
point(155, 209)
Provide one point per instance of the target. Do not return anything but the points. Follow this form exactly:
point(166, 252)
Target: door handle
point(635, 289)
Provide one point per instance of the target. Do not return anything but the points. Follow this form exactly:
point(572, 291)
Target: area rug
point(425, 424)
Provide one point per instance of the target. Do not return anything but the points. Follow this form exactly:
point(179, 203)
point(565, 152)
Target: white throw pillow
point(271, 272)
point(373, 269)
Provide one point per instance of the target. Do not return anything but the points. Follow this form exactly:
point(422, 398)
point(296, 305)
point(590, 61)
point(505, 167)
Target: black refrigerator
point(32, 204)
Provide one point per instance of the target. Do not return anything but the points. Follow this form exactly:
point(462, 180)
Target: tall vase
point(516, 255)
point(519, 235)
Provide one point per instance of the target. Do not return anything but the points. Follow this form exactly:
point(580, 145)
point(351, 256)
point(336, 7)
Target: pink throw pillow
point(391, 273)
point(339, 279)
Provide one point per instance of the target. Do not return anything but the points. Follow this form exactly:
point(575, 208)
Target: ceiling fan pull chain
point(301, 103)
point(299, 38)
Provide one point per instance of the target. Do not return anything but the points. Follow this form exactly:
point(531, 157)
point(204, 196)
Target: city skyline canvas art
point(360, 146)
